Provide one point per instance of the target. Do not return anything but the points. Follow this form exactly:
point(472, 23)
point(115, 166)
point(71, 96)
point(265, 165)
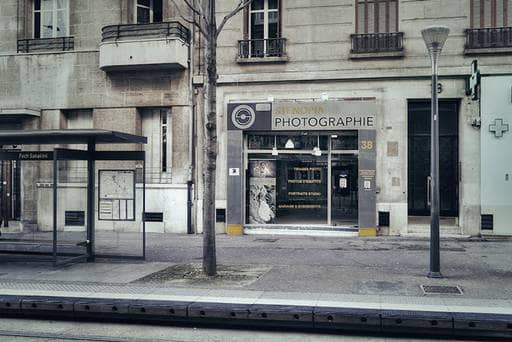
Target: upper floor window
point(148, 11)
point(376, 16)
point(157, 127)
point(491, 13)
point(264, 19)
point(51, 18)
point(262, 30)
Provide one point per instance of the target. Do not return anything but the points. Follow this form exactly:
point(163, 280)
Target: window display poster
point(262, 191)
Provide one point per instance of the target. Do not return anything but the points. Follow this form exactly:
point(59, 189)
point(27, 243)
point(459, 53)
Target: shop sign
point(303, 116)
point(323, 115)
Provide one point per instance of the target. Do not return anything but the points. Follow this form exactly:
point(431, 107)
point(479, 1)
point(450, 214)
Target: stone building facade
point(323, 108)
point(115, 65)
point(308, 59)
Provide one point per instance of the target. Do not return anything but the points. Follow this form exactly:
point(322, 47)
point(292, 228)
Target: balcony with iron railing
point(262, 50)
point(144, 46)
point(488, 41)
point(371, 45)
point(46, 44)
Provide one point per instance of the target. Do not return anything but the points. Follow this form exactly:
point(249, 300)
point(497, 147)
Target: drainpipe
point(191, 133)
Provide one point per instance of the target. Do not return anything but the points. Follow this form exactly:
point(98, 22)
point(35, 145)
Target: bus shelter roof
point(68, 136)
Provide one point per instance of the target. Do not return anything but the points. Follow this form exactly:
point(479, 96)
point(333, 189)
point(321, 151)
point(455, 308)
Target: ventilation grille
point(153, 216)
point(74, 218)
point(487, 222)
point(441, 289)
point(220, 215)
point(383, 218)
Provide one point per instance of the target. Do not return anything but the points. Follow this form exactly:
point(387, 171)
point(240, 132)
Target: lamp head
point(435, 37)
point(289, 143)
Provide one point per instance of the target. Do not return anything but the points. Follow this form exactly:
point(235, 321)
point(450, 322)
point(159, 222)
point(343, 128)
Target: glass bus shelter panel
point(71, 234)
point(344, 194)
point(119, 230)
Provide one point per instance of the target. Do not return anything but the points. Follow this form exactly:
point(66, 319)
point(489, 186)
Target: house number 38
point(367, 144)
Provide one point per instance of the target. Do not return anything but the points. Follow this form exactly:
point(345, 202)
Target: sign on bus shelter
point(116, 193)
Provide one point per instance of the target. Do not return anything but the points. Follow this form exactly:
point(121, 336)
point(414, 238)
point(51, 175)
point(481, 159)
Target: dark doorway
point(419, 157)
point(344, 174)
point(10, 204)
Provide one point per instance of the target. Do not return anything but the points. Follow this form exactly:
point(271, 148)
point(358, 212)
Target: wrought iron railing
point(377, 42)
point(171, 29)
point(258, 48)
point(46, 44)
point(488, 38)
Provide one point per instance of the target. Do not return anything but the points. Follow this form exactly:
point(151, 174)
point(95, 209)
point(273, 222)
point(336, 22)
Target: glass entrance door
point(302, 190)
point(344, 188)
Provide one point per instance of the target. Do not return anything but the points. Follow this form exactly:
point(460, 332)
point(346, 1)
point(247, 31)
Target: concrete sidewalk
point(328, 283)
point(381, 266)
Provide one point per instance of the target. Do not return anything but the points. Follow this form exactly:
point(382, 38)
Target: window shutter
point(508, 13)
point(280, 14)
point(131, 16)
point(246, 23)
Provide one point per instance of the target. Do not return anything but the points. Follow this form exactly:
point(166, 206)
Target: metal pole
point(189, 208)
point(55, 202)
point(435, 271)
point(144, 206)
point(91, 187)
point(2, 199)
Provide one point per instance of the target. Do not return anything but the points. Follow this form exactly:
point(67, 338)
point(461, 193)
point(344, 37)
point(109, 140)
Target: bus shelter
point(70, 195)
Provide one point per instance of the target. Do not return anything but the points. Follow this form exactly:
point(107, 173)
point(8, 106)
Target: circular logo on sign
point(243, 117)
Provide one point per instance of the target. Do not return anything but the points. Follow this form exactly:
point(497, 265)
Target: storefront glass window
point(294, 184)
point(261, 142)
point(295, 142)
point(290, 189)
point(344, 141)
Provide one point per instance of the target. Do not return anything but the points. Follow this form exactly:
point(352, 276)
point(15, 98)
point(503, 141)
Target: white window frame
point(54, 11)
point(265, 12)
point(151, 10)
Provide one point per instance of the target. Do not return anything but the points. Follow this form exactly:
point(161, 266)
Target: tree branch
point(196, 10)
point(241, 5)
point(191, 21)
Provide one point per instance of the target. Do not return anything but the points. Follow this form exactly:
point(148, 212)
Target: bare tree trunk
point(209, 257)
point(207, 26)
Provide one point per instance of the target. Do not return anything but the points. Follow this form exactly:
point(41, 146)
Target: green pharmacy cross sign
point(498, 128)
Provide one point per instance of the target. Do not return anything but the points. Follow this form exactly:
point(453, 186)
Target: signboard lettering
point(325, 115)
point(28, 155)
point(35, 155)
point(300, 116)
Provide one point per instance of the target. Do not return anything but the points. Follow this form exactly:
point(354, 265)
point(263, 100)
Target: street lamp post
point(434, 37)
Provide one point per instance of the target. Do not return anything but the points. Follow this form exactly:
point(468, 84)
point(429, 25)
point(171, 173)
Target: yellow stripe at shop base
point(367, 232)
point(234, 229)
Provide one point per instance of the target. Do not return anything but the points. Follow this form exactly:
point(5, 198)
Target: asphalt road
point(16, 330)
